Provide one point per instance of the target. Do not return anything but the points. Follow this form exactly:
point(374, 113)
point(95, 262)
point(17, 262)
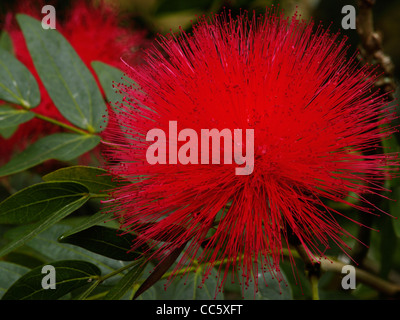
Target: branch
point(379, 284)
point(313, 269)
point(371, 52)
point(316, 265)
point(371, 49)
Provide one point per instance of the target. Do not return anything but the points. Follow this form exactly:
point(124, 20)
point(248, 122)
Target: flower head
point(314, 118)
point(95, 33)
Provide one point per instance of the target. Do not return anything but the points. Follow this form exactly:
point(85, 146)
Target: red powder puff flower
point(94, 32)
point(313, 115)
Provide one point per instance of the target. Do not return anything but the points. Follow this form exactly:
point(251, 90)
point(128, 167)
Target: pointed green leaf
point(51, 249)
point(90, 221)
point(105, 241)
point(27, 232)
point(191, 286)
point(95, 179)
point(59, 146)
point(17, 84)
point(69, 275)
point(107, 76)
point(159, 270)
point(70, 84)
point(86, 293)
point(6, 42)
point(10, 117)
point(7, 132)
point(38, 201)
point(126, 282)
point(10, 272)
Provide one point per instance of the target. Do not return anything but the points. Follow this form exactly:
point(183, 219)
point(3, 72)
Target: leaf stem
point(87, 292)
point(98, 195)
point(99, 280)
point(115, 272)
point(314, 287)
point(373, 281)
point(60, 124)
point(313, 269)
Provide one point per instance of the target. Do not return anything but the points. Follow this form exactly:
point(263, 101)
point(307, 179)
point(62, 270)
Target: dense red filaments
point(314, 116)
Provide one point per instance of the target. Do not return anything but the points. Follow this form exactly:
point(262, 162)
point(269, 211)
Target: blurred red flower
point(95, 32)
point(314, 116)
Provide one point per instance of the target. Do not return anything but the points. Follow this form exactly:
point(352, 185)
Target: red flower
point(94, 32)
point(313, 114)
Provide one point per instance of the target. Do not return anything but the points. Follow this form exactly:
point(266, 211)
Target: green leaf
point(126, 282)
point(10, 117)
point(69, 275)
point(17, 84)
point(269, 288)
point(6, 42)
point(51, 249)
point(7, 132)
point(32, 230)
point(70, 84)
point(90, 221)
point(38, 201)
point(58, 146)
point(299, 282)
point(10, 272)
point(95, 179)
point(107, 75)
point(192, 287)
point(105, 241)
point(159, 270)
point(88, 291)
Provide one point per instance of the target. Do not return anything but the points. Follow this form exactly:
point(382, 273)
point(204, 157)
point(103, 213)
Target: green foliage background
point(55, 217)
